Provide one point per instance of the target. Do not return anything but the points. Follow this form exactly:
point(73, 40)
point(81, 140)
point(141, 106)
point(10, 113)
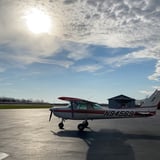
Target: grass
point(24, 106)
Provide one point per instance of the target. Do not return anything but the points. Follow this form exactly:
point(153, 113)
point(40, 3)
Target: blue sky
point(91, 49)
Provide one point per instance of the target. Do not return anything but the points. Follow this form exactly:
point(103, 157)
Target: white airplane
point(80, 109)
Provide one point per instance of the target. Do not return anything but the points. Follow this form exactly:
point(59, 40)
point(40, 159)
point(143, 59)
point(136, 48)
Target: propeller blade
point(50, 116)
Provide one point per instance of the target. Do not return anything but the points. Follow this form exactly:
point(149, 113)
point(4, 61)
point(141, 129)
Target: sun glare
point(38, 21)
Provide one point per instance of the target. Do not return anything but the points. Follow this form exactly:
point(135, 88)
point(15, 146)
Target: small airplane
point(80, 109)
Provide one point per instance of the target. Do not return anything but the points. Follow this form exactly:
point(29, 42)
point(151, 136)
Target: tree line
point(15, 100)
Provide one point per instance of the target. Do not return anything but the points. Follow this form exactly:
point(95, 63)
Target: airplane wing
point(79, 100)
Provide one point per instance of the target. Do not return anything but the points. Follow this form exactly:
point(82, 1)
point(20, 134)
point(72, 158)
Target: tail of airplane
point(149, 107)
point(153, 100)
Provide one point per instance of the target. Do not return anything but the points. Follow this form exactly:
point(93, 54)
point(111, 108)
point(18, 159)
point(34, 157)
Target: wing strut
point(72, 103)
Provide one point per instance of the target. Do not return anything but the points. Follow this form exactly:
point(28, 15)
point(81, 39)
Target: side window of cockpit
point(74, 105)
point(90, 106)
point(96, 106)
point(82, 106)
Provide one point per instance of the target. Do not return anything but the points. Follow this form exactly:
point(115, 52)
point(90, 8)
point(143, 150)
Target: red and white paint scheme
point(80, 109)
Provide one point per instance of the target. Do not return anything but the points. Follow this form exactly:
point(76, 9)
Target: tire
point(81, 127)
point(61, 125)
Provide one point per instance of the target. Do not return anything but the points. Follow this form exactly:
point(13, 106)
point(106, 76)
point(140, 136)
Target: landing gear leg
point(61, 124)
point(83, 125)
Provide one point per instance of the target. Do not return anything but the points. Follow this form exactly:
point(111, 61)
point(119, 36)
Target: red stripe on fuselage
point(81, 111)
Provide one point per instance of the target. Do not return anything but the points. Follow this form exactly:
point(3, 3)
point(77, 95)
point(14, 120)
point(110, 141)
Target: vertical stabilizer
point(153, 100)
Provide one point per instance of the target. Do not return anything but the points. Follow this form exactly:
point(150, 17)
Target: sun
point(38, 21)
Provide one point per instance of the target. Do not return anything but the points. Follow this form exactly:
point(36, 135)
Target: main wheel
point(81, 127)
point(61, 125)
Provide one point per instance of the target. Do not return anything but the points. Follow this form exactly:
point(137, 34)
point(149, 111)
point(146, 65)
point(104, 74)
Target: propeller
point(50, 115)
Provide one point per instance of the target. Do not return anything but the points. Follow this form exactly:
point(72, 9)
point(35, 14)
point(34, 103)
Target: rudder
point(153, 100)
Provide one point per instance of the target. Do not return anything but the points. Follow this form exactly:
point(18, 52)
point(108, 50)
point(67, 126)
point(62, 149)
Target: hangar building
point(121, 101)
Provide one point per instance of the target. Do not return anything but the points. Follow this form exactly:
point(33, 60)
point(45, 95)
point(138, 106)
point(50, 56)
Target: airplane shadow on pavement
point(107, 144)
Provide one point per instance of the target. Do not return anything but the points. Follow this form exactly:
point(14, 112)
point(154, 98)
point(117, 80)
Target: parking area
point(26, 134)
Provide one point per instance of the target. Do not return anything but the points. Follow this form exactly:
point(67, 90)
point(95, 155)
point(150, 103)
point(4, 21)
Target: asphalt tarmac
point(26, 134)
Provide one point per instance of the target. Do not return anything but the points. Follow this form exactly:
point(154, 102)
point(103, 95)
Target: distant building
point(121, 101)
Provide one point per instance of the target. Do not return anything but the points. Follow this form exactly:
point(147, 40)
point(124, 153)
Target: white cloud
point(149, 91)
point(156, 87)
point(115, 24)
point(124, 59)
point(78, 54)
point(88, 68)
point(112, 23)
point(76, 51)
point(62, 63)
point(146, 92)
point(137, 57)
point(156, 74)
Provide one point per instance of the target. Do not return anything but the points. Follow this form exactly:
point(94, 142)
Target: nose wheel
point(82, 125)
point(61, 124)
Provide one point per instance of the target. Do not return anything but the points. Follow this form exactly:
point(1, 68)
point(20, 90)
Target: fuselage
point(101, 113)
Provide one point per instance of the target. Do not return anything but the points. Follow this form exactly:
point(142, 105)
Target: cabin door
point(80, 111)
